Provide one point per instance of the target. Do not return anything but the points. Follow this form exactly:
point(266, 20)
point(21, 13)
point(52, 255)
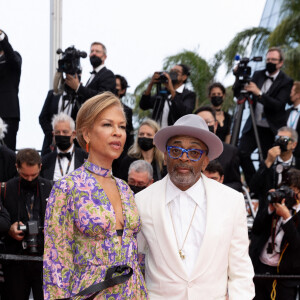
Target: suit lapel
point(208, 247)
point(49, 170)
point(275, 84)
point(165, 232)
point(96, 77)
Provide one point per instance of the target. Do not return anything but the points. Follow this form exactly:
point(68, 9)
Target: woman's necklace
point(181, 253)
point(97, 170)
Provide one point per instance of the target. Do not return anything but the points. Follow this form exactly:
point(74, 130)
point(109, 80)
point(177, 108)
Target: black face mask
point(28, 185)
point(145, 143)
point(271, 68)
point(63, 142)
point(174, 77)
point(95, 61)
point(216, 100)
point(211, 128)
point(136, 188)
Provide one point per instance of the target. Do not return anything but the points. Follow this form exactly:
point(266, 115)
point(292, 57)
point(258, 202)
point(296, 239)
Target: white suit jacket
point(223, 263)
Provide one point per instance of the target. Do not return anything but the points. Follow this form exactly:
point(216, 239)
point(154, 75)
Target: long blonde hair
point(135, 150)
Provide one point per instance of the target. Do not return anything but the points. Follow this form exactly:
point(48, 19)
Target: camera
point(243, 72)
point(163, 79)
point(70, 61)
point(282, 142)
point(31, 230)
point(284, 192)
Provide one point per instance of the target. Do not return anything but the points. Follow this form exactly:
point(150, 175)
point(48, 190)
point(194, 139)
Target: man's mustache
point(184, 166)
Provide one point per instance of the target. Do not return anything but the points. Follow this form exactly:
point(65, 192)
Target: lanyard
point(69, 164)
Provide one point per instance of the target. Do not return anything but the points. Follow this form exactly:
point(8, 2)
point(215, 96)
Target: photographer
point(25, 200)
point(174, 101)
point(272, 172)
point(270, 90)
point(10, 73)
point(101, 79)
point(275, 243)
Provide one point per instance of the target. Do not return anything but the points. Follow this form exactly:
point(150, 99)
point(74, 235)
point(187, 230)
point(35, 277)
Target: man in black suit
point(10, 73)
point(7, 164)
point(272, 171)
point(270, 90)
point(25, 198)
point(292, 114)
point(229, 158)
point(101, 79)
point(173, 102)
point(275, 242)
point(66, 157)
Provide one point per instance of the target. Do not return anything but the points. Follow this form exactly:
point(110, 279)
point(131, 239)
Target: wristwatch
point(260, 94)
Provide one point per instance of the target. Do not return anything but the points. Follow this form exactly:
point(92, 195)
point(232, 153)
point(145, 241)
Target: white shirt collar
point(99, 68)
point(180, 89)
point(273, 76)
point(195, 192)
point(289, 161)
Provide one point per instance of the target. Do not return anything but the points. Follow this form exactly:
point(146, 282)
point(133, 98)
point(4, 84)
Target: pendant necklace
point(180, 250)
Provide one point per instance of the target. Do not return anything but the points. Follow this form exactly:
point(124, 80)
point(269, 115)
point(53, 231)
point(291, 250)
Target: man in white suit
point(194, 229)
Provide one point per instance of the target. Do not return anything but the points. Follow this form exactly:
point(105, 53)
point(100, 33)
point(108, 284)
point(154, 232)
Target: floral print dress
point(81, 242)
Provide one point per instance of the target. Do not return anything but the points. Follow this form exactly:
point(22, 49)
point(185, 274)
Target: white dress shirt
point(166, 110)
point(64, 165)
point(182, 205)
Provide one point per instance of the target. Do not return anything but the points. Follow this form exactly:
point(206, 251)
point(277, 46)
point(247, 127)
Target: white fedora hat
point(190, 125)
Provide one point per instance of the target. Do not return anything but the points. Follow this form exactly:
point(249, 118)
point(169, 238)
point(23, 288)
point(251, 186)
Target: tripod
point(242, 99)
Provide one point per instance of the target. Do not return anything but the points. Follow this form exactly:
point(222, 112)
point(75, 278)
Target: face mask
point(63, 142)
point(211, 128)
point(95, 61)
point(145, 143)
point(28, 185)
point(216, 100)
point(174, 77)
point(136, 188)
point(270, 67)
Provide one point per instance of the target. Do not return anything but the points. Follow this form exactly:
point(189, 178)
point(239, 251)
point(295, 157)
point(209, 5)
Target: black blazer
point(49, 160)
point(261, 230)
point(274, 100)
point(230, 162)
point(10, 73)
point(182, 104)
point(10, 202)
point(297, 149)
point(7, 164)
point(103, 81)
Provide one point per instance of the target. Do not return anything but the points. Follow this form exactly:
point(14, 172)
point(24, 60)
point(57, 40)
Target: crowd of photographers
point(272, 127)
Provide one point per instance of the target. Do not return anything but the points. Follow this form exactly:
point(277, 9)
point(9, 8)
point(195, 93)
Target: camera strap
point(107, 283)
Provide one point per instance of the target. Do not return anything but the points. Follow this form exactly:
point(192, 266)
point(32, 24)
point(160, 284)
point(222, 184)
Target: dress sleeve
point(59, 242)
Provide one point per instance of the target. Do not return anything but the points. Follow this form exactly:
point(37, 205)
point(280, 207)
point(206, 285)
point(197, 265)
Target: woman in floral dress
point(91, 219)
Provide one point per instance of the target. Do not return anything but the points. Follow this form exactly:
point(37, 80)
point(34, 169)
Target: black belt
point(107, 283)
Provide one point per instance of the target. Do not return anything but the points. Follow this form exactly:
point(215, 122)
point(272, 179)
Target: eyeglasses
point(285, 139)
point(192, 154)
point(272, 59)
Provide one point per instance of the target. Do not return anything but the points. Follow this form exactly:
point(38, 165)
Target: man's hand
point(252, 87)
point(15, 233)
point(282, 210)
point(272, 154)
point(154, 79)
point(169, 85)
point(72, 82)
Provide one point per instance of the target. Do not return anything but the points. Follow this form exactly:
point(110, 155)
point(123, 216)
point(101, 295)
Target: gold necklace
point(181, 253)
